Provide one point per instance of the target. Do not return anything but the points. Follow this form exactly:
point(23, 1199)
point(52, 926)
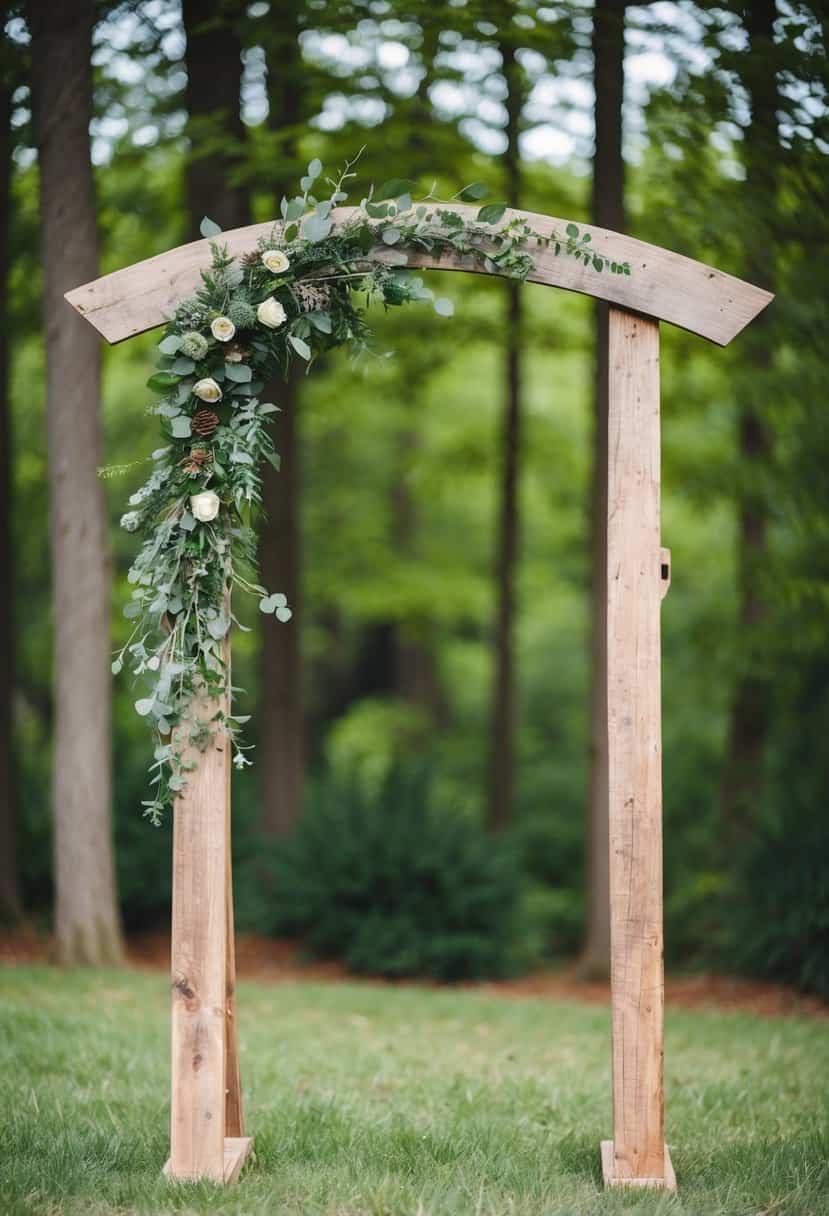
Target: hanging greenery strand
point(304, 290)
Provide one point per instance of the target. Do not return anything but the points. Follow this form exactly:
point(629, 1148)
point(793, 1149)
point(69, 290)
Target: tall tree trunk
point(502, 773)
point(281, 701)
point(415, 673)
point(608, 211)
point(750, 710)
point(86, 915)
point(10, 907)
point(217, 134)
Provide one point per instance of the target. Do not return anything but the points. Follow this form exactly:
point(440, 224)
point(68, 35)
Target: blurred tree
point(281, 755)
point(86, 915)
point(215, 129)
point(10, 906)
point(607, 211)
point(751, 708)
point(502, 773)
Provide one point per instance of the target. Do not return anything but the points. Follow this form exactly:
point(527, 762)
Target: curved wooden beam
point(661, 284)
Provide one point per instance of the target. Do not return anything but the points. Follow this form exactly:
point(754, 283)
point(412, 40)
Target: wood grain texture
point(234, 1115)
point(666, 1183)
point(237, 1149)
point(634, 747)
point(662, 284)
point(199, 961)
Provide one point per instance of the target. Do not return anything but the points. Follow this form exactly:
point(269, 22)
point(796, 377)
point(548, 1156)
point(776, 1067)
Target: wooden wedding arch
point(207, 1129)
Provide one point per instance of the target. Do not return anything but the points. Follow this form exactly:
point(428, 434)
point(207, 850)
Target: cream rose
point(276, 261)
point(222, 329)
point(271, 313)
point(204, 506)
point(207, 390)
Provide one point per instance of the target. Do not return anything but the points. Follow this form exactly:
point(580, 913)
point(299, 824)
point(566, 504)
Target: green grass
point(382, 1100)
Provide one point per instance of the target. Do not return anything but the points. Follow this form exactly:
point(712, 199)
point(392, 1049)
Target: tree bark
point(750, 711)
point(217, 133)
point(502, 772)
point(87, 925)
point(281, 701)
point(607, 211)
point(10, 906)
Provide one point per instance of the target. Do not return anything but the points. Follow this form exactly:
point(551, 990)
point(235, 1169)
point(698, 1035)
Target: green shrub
point(392, 886)
point(779, 913)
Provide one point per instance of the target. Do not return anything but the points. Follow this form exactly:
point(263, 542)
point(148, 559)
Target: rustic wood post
point(206, 1128)
point(637, 1155)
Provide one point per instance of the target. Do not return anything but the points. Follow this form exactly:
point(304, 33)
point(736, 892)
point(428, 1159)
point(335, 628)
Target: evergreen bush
point(392, 885)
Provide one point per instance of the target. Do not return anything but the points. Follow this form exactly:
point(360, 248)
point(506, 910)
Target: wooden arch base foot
point(237, 1151)
point(611, 1178)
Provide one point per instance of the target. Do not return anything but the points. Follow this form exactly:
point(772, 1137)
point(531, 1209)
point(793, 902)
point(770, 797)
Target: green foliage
point(392, 885)
point(197, 508)
point(778, 907)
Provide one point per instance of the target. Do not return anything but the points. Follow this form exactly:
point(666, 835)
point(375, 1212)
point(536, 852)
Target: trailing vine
point(304, 290)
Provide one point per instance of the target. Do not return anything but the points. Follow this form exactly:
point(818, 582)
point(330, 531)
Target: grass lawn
point(384, 1100)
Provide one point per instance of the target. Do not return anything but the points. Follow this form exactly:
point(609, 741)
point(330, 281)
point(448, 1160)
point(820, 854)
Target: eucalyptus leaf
point(300, 346)
point(209, 228)
point(218, 628)
point(473, 193)
point(240, 373)
point(180, 426)
point(170, 344)
point(492, 213)
point(320, 321)
point(160, 382)
point(316, 228)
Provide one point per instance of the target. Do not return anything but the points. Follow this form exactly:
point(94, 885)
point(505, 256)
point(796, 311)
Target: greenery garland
point(303, 291)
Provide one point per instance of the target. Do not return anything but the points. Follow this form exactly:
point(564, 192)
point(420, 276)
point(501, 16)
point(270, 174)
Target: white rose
point(205, 506)
point(207, 390)
point(222, 329)
point(276, 261)
point(271, 313)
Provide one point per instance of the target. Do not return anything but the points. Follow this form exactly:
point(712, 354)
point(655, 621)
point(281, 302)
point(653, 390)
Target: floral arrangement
point(302, 291)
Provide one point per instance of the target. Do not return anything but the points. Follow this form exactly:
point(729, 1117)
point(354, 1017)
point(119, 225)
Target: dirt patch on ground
point(280, 962)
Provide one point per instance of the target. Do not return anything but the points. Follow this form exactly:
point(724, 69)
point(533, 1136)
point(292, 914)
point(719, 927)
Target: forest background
point(436, 516)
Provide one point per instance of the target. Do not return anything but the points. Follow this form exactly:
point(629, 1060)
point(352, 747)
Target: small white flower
point(271, 313)
point(131, 520)
point(234, 354)
point(222, 329)
point(204, 506)
point(207, 390)
point(276, 261)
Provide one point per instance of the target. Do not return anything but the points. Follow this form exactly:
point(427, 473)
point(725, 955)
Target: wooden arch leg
point(637, 1155)
point(206, 1128)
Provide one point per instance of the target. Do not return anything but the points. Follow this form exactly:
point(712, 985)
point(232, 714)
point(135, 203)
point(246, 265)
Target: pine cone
point(194, 463)
point(204, 423)
point(311, 296)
